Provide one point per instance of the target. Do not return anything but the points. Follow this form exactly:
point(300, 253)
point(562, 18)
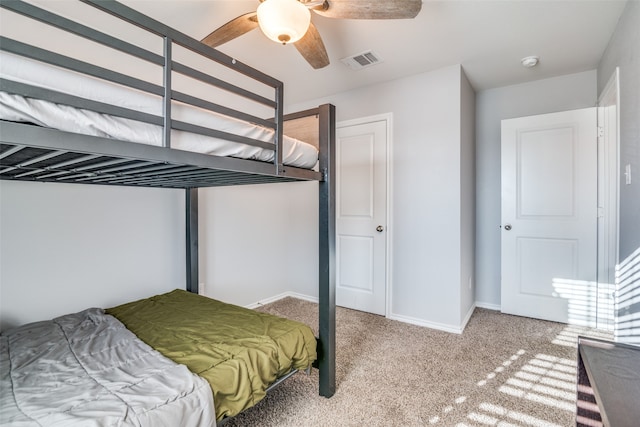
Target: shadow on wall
point(589, 304)
point(627, 326)
point(607, 306)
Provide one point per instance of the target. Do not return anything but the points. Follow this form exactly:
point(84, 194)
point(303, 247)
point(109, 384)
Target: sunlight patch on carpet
point(568, 337)
point(545, 379)
point(500, 369)
point(505, 414)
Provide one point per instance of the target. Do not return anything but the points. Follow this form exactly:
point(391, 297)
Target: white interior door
point(361, 216)
point(549, 216)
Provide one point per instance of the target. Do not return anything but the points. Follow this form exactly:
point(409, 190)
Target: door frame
point(608, 180)
point(388, 119)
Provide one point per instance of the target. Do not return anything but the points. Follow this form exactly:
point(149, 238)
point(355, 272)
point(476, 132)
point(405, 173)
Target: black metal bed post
point(327, 272)
point(166, 99)
point(279, 142)
point(191, 213)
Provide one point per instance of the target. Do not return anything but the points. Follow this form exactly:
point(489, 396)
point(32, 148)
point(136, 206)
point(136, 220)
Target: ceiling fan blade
point(370, 9)
point(312, 48)
point(232, 29)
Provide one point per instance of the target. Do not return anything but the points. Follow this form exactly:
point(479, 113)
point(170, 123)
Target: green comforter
point(240, 352)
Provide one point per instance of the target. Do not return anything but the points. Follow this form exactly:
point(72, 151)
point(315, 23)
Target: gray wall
point(67, 247)
point(259, 241)
point(543, 96)
point(425, 207)
point(624, 51)
point(467, 197)
point(427, 253)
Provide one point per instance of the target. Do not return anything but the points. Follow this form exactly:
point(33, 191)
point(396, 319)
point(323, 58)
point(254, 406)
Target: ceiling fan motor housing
point(283, 21)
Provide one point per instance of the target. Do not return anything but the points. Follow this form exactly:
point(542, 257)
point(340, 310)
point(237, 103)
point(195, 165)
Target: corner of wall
point(467, 197)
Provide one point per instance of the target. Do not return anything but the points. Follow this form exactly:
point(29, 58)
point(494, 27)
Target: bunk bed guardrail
point(126, 163)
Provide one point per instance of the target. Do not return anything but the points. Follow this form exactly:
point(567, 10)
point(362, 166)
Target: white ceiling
point(487, 37)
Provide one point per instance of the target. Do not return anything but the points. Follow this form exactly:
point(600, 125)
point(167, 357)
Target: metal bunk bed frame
point(32, 153)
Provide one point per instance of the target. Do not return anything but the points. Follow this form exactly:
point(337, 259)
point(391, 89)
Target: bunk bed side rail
point(56, 156)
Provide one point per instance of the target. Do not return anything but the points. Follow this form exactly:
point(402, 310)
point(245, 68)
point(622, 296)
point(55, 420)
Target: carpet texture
point(502, 371)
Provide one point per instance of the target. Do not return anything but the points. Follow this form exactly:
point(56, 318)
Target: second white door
point(549, 216)
point(361, 215)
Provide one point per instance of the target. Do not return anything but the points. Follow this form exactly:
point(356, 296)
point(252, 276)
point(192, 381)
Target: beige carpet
point(502, 371)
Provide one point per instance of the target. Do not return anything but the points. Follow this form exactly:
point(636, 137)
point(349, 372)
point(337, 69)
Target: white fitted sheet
point(21, 109)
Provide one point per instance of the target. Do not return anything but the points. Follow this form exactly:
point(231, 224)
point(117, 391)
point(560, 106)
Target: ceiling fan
point(289, 21)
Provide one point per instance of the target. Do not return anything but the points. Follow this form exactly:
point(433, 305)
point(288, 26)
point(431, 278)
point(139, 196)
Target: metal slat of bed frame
point(77, 102)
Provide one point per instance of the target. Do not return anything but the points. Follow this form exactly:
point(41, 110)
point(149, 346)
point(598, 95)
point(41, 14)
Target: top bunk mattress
point(18, 108)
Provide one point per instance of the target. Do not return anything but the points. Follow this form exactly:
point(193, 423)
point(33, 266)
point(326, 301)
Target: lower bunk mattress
point(176, 359)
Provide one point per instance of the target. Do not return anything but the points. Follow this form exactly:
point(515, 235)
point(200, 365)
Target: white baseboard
point(401, 318)
point(281, 296)
point(435, 325)
point(420, 322)
point(488, 306)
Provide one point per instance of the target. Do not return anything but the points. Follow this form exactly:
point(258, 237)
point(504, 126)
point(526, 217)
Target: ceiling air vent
point(361, 60)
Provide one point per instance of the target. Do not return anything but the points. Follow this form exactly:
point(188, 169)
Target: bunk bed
point(178, 129)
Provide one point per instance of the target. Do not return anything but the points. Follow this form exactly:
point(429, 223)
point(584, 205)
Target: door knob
point(379, 229)
point(507, 227)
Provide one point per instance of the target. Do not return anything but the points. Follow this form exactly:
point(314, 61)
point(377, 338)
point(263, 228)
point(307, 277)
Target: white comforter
point(87, 369)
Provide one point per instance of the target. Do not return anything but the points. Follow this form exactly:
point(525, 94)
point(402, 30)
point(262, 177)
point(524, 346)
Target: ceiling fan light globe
point(283, 21)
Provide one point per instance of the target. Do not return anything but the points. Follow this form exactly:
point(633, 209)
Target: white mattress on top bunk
point(20, 109)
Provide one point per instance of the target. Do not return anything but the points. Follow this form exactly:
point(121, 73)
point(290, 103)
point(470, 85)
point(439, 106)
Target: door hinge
point(600, 132)
point(600, 212)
